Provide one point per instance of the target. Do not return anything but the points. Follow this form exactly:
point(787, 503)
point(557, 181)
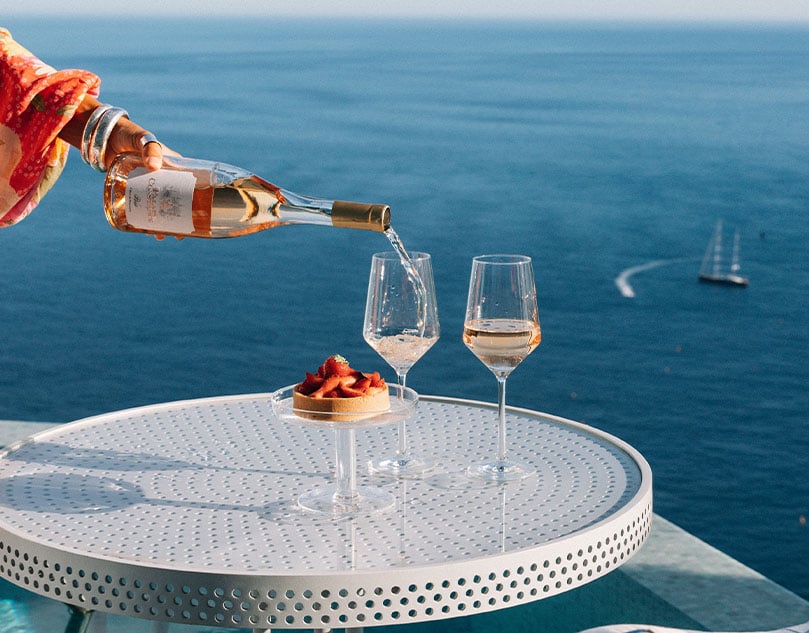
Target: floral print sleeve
point(35, 103)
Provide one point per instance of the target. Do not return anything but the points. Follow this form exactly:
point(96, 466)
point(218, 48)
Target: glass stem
point(402, 451)
point(346, 469)
point(501, 419)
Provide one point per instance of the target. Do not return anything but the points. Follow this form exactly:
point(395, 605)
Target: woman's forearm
point(73, 129)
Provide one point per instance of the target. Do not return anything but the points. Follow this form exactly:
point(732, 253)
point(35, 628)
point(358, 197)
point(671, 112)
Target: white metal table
point(186, 512)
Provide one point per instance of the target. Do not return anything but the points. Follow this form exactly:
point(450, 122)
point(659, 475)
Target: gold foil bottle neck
point(360, 215)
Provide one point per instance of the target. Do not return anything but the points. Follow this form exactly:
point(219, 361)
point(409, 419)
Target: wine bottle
point(189, 197)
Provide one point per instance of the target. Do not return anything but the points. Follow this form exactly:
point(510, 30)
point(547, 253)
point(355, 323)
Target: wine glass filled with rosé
point(501, 328)
point(401, 324)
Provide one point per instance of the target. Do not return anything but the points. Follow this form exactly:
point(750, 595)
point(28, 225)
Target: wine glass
point(501, 328)
point(401, 324)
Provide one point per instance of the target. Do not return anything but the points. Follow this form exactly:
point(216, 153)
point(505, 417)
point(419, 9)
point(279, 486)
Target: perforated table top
point(186, 512)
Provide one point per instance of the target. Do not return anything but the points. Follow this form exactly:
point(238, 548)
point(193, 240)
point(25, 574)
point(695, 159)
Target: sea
point(605, 151)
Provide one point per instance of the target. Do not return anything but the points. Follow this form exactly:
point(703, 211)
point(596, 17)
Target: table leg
point(79, 620)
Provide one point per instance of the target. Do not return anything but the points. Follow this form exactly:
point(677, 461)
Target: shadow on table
point(81, 494)
point(56, 454)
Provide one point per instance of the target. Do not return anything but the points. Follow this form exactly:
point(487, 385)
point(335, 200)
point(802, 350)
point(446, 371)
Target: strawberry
point(329, 384)
point(310, 384)
point(348, 381)
point(352, 391)
point(376, 379)
point(336, 366)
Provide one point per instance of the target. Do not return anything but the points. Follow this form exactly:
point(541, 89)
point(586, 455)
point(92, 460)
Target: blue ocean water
point(592, 148)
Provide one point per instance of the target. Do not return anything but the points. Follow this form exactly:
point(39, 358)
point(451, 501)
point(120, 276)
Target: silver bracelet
point(101, 135)
point(89, 128)
point(97, 132)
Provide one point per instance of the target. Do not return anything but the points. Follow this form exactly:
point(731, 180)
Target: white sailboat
point(715, 265)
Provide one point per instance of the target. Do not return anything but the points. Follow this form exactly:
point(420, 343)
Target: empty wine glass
point(401, 324)
point(501, 328)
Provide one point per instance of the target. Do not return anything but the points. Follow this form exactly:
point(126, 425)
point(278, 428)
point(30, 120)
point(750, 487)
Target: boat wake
point(622, 280)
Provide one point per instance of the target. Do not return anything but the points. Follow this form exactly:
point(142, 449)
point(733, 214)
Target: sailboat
point(715, 265)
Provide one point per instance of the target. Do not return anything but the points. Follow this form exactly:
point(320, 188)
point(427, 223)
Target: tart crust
point(340, 409)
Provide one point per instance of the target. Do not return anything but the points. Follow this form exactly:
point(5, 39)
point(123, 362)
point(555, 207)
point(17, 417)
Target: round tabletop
point(186, 512)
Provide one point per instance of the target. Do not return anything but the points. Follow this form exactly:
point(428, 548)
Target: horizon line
point(691, 20)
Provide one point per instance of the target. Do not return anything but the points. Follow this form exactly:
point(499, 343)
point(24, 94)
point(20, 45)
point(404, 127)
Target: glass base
point(364, 502)
point(500, 471)
point(399, 466)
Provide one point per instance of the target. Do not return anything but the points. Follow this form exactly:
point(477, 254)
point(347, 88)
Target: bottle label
point(160, 201)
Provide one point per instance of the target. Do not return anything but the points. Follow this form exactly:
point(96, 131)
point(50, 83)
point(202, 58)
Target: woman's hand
point(128, 136)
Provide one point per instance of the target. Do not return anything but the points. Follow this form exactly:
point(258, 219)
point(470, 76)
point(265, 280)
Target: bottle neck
point(343, 214)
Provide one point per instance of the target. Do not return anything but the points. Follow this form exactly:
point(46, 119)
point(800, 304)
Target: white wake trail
point(622, 280)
